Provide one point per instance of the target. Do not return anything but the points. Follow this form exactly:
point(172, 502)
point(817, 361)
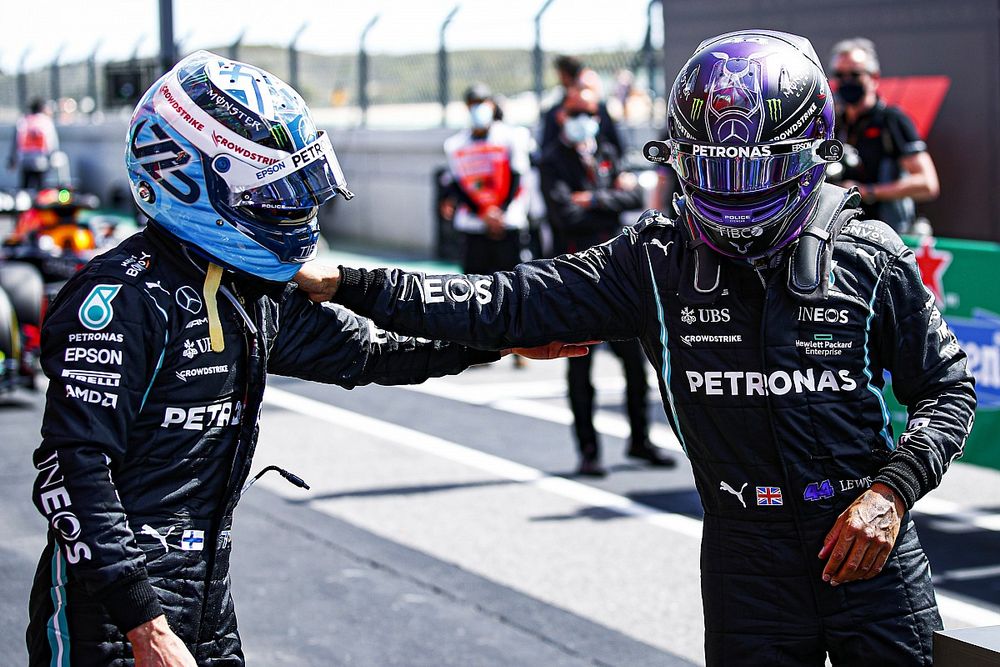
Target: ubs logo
point(705, 315)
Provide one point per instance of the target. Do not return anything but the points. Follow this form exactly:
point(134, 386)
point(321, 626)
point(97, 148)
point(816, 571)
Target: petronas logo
point(96, 311)
point(774, 109)
point(696, 107)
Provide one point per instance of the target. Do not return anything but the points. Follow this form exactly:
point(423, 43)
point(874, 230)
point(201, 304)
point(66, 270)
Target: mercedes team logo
point(188, 299)
point(734, 130)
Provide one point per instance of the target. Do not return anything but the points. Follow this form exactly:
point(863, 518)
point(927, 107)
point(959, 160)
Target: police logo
point(188, 299)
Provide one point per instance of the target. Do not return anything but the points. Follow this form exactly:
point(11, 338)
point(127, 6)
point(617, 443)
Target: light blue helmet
point(225, 157)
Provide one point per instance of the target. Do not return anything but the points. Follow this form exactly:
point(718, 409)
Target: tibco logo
point(778, 383)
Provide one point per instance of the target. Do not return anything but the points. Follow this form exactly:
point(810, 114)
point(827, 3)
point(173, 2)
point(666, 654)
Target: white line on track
point(952, 607)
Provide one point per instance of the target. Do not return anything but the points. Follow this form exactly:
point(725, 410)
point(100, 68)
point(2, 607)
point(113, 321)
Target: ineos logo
point(188, 299)
point(830, 315)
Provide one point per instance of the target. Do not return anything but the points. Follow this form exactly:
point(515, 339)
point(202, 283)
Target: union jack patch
point(769, 495)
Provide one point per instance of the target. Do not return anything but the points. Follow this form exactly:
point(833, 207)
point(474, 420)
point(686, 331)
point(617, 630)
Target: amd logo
point(828, 315)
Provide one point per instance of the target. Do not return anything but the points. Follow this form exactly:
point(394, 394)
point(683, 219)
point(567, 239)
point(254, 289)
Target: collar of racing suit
point(809, 257)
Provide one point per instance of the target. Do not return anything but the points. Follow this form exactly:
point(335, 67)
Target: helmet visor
point(731, 169)
point(306, 178)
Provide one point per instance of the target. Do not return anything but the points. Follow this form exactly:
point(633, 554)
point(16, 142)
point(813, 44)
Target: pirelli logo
point(100, 378)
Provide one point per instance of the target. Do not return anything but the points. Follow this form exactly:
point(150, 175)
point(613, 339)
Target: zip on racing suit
point(776, 399)
point(148, 437)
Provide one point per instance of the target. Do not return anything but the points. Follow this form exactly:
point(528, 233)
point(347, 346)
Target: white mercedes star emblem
point(188, 299)
point(734, 129)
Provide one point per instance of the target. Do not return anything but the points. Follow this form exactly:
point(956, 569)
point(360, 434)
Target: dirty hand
point(861, 539)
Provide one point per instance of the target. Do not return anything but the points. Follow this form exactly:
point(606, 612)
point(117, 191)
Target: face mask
point(850, 92)
point(482, 115)
point(579, 129)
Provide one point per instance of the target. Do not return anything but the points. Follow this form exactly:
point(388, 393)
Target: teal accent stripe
point(666, 356)
point(159, 365)
point(58, 629)
point(889, 442)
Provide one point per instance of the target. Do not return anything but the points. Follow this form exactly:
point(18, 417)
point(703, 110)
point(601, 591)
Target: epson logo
point(267, 171)
point(730, 151)
point(457, 289)
point(94, 355)
point(778, 383)
point(828, 315)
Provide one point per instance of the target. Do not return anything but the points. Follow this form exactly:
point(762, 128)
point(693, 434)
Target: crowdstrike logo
point(777, 383)
point(241, 150)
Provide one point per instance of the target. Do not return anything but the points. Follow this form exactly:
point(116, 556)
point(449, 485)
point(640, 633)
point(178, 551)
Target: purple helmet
point(750, 123)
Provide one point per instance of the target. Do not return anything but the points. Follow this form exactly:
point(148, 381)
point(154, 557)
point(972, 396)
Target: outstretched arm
point(333, 345)
point(596, 294)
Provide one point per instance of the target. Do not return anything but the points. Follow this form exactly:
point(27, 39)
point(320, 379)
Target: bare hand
point(582, 199)
point(554, 350)
point(493, 217)
point(447, 209)
point(318, 280)
point(154, 644)
point(863, 536)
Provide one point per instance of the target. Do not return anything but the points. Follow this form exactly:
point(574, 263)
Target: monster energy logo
point(696, 107)
point(774, 109)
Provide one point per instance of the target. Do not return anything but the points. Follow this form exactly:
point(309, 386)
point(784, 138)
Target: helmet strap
point(701, 268)
point(811, 260)
point(213, 276)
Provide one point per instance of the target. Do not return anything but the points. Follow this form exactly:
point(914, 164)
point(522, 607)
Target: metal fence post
point(92, 76)
point(648, 51)
point(363, 71)
point(293, 57)
point(537, 56)
point(168, 50)
point(22, 82)
point(234, 48)
point(443, 92)
point(54, 72)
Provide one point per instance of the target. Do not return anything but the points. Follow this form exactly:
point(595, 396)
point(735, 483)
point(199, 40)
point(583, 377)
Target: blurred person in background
point(585, 194)
point(157, 353)
point(35, 139)
point(884, 156)
point(573, 74)
point(486, 200)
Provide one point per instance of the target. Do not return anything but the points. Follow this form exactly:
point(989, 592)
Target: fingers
point(850, 570)
point(574, 351)
point(838, 554)
point(831, 538)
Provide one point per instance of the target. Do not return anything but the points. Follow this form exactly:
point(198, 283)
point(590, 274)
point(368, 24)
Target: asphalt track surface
point(444, 527)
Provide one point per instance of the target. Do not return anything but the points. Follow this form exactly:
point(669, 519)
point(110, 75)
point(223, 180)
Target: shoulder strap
point(810, 260)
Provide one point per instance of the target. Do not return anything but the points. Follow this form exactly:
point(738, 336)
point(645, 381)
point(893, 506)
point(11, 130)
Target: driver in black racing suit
point(770, 313)
point(157, 355)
